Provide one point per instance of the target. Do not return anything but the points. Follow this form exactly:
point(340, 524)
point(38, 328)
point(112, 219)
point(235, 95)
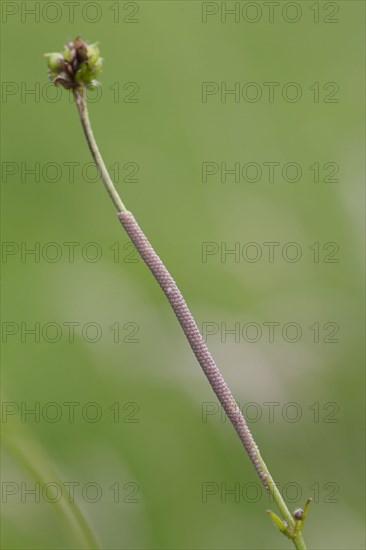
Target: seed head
point(77, 66)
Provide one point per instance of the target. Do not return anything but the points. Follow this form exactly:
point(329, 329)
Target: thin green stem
point(109, 185)
point(274, 491)
point(31, 457)
point(298, 540)
point(189, 326)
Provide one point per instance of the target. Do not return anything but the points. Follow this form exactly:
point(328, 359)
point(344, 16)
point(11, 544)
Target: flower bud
point(93, 53)
point(54, 61)
point(298, 513)
point(77, 66)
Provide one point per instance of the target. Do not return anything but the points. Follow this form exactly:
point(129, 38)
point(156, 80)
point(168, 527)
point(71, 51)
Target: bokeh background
point(159, 460)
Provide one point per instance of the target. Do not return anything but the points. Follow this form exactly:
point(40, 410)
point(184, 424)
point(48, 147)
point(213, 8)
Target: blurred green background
point(158, 460)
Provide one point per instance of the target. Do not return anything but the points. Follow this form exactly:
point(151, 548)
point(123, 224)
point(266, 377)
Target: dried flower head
point(77, 66)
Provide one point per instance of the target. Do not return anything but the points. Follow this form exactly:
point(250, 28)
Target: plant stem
point(189, 326)
point(32, 458)
point(84, 117)
point(299, 542)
